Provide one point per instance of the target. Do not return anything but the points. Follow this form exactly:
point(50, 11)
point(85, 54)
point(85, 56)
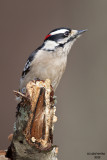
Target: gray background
point(82, 93)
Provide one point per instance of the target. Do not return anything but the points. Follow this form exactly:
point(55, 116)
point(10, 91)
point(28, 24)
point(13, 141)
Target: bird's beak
point(81, 31)
point(77, 33)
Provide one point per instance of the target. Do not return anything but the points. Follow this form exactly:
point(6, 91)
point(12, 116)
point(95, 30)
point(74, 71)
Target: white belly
point(44, 68)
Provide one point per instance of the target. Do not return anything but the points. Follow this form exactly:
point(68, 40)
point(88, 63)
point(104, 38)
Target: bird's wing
point(28, 63)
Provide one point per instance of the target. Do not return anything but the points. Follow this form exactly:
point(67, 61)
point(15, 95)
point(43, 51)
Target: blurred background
point(82, 93)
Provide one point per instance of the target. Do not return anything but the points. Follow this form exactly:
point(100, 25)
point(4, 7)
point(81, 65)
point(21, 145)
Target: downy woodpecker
point(49, 60)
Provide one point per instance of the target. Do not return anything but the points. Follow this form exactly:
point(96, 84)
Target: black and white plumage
point(49, 60)
point(28, 63)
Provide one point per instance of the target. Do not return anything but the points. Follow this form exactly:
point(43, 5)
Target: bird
point(49, 60)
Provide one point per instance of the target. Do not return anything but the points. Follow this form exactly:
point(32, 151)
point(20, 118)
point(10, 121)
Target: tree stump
point(33, 129)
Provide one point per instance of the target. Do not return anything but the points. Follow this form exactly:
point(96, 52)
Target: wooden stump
point(33, 129)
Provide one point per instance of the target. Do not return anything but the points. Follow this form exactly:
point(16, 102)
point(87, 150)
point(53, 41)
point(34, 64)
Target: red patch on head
point(47, 36)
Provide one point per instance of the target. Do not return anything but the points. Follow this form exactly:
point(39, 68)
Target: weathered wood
point(33, 129)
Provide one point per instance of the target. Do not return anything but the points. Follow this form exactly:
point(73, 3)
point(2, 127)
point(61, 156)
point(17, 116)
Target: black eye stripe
point(56, 37)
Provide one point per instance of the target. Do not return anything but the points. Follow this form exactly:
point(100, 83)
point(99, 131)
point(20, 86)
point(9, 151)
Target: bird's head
point(61, 37)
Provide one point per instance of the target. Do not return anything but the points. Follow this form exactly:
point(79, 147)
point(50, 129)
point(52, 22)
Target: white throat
point(67, 47)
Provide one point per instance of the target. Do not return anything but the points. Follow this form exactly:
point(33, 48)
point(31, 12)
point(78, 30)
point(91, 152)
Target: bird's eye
point(66, 33)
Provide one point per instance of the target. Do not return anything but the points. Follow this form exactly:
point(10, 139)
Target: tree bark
point(33, 129)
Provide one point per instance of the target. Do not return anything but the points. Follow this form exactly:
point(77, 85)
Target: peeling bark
point(33, 129)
